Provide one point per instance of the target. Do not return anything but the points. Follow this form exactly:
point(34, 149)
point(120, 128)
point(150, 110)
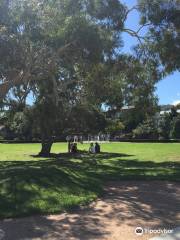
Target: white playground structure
point(89, 138)
point(98, 138)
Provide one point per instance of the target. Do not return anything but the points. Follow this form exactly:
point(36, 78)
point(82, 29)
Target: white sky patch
point(176, 102)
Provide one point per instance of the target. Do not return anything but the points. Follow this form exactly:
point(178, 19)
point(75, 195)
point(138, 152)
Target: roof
point(127, 107)
point(168, 111)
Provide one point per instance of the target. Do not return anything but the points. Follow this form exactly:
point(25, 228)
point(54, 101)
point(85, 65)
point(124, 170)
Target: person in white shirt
point(92, 148)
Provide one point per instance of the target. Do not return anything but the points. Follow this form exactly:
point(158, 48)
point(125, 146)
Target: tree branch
point(141, 27)
point(134, 34)
point(9, 83)
point(23, 76)
point(130, 10)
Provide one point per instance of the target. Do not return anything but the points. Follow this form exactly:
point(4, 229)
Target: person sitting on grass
point(97, 148)
point(91, 148)
point(74, 148)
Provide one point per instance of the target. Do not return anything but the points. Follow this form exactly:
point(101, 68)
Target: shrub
point(175, 129)
point(146, 130)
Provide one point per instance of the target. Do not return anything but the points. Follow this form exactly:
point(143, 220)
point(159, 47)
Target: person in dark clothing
point(69, 141)
point(74, 148)
point(97, 148)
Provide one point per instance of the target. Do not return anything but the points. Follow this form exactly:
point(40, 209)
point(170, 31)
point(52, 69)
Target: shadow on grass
point(64, 181)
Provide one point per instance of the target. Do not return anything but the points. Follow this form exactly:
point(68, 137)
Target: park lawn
point(32, 185)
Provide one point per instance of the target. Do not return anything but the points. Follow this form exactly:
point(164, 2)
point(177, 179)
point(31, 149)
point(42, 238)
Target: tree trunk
point(46, 146)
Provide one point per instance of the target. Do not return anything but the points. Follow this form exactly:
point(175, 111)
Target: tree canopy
point(162, 41)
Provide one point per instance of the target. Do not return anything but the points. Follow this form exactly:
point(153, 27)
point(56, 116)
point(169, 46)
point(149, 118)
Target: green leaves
point(163, 35)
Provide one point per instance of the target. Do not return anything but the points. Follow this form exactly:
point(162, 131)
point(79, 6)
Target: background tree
point(114, 127)
point(135, 86)
point(175, 130)
point(85, 119)
point(164, 127)
point(146, 130)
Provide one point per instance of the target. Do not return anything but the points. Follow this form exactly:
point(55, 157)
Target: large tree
point(53, 46)
point(68, 52)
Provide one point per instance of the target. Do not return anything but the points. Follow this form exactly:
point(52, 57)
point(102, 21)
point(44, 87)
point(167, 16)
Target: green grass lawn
point(31, 185)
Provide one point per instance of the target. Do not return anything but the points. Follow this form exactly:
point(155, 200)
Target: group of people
point(72, 147)
point(93, 148)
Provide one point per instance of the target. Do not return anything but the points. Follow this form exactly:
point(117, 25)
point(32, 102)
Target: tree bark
point(46, 145)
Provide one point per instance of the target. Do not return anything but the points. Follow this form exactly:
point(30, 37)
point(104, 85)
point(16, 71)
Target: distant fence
point(147, 140)
point(102, 141)
point(19, 141)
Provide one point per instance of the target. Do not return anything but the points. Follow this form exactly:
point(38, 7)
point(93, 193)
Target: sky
point(168, 89)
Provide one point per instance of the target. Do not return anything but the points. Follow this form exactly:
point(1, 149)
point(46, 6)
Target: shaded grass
point(30, 185)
